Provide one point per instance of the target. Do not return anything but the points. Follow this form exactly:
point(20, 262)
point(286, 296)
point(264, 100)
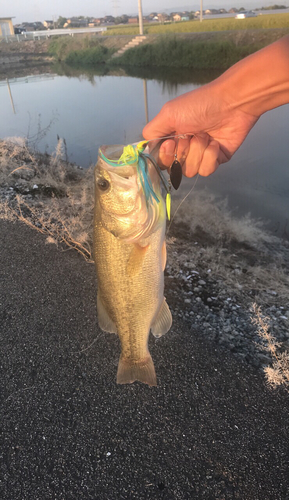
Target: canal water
point(89, 110)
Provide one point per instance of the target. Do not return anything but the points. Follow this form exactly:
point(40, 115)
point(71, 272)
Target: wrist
point(259, 82)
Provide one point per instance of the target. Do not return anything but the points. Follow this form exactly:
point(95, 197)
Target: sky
point(40, 10)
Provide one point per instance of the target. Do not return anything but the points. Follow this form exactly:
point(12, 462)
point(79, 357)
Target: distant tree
point(241, 9)
point(274, 7)
point(121, 19)
point(61, 21)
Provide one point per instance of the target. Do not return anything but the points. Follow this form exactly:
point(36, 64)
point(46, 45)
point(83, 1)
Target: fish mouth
point(126, 211)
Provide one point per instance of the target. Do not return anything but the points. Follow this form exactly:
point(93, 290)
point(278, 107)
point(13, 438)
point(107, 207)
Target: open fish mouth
point(130, 256)
point(128, 191)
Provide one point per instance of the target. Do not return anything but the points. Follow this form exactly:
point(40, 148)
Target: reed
point(63, 47)
point(181, 53)
point(88, 57)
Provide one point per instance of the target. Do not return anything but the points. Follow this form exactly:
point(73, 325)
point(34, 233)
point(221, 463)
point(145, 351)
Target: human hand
point(214, 126)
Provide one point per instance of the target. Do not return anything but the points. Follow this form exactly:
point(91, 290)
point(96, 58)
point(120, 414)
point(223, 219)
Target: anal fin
point(163, 321)
point(104, 321)
point(142, 370)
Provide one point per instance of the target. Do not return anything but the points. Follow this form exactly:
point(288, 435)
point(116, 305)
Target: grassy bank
point(80, 51)
point(195, 26)
point(214, 50)
point(180, 53)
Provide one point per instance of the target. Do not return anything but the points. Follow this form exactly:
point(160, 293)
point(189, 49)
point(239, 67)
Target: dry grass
point(238, 251)
point(56, 198)
point(278, 373)
point(52, 196)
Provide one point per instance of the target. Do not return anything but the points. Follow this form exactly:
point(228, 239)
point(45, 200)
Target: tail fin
point(142, 370)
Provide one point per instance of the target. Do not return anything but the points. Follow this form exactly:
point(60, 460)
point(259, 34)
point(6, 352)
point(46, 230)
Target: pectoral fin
point(163, 321)
point(136, 258)
point(104, 321)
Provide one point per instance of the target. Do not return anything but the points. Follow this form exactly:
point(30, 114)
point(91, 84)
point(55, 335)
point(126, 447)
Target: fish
point(130, 258)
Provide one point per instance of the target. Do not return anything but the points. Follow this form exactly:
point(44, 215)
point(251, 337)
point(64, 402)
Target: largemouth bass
point(130, 257)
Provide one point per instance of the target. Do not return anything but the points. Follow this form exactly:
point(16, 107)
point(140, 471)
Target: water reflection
point(170, 78)
point(102, 106)
point(145, 90)
point(10, 95)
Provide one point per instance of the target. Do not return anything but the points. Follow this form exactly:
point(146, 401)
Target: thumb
point(158, 127)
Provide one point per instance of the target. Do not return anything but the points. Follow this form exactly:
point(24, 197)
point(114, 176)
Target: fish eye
point(103, 184)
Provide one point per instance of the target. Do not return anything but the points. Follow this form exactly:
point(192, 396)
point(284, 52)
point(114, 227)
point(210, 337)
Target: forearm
point(259, 82)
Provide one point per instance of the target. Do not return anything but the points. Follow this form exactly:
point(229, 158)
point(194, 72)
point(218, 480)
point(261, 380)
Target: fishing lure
point(176, 174)
point(134, 153)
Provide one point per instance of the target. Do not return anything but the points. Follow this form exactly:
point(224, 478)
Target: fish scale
point(130, 270)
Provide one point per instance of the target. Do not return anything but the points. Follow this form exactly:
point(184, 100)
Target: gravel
point(211, 429)
point(219, 313)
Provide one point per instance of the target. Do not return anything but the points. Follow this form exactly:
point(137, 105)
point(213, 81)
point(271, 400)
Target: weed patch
point(79, 50)
point(180, 53)
point(278, 373)
point(48, 194)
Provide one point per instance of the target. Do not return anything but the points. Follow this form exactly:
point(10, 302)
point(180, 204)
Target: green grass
point(88, 57)
point(67, 47)
point(261, 22)
point(180, 53)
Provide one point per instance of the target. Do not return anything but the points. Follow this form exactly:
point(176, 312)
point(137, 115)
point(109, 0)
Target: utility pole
point(140, 17)
point(201, 10)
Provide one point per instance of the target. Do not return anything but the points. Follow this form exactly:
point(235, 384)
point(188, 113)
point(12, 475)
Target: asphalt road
point(210, 430)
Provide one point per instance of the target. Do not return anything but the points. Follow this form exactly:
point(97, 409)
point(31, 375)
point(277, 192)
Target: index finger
point(159, 126)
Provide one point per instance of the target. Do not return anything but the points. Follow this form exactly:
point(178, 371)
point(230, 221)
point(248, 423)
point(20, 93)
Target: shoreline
point(16, 55)
point(212, 278)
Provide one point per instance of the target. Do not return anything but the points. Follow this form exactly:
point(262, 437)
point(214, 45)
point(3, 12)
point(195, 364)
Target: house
point(162, 17)
point(222, 11)
point(48, 24)
point(185, 18)
point(74, 22)
point(6, 26)
point(177, 18)
point(38, 26)
point(94, 22)
point(28, 26)
point(109, 19)
point(132, 20)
